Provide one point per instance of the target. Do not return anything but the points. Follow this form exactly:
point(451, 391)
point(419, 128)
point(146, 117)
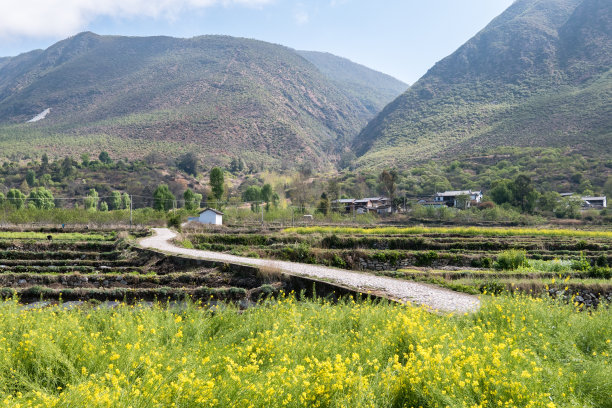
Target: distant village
point(460, 199)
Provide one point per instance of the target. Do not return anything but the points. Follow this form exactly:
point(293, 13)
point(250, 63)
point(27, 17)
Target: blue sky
point(402, 38)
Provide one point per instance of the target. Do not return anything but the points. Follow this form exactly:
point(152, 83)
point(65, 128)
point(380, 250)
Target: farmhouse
point(380, 205)
point(594, 202)
point(209, 216)
point(589, 202)
point(449, 198)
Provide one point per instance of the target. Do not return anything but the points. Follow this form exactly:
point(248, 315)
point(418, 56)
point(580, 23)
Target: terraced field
point(468, 259)
point(102, 266)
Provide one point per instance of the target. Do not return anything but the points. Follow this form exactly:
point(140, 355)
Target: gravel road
point(430, 296)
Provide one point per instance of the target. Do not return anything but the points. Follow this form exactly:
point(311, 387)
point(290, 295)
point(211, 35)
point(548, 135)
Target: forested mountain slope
point(539, 75)
point(218, 96)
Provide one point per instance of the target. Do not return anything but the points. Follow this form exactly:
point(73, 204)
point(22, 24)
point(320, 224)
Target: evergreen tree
point(31, 178)
point(163, 199)
point(104, 157)
point(216, 183)
point(103, 206)
point(189, 164)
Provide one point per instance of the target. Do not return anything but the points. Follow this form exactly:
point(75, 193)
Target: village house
point(209, 216)
point(594, 202)
point(380, 205)
point(449, 198)
point(589, 202)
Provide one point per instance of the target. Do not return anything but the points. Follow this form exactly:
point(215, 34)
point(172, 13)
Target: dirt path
point(418, 293)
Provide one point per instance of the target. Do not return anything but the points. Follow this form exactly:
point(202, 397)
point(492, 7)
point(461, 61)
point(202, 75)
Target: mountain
point(539, 75)
point(217, 96)
point(375, 90)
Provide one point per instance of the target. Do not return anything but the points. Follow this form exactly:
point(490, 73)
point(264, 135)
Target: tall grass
point(470, 231)
point(514, 352)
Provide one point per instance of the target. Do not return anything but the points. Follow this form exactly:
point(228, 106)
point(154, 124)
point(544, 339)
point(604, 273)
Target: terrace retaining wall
point(310, 287)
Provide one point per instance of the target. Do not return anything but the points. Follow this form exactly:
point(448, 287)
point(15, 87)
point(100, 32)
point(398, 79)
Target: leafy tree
point(31, 178)
point(16, 198)
point(115, 202)
point(163, 199)
point(192, 200)
point(216, 183)
point(2, 199)
point(523, 191)
point(462, 201)
point(104, 157)
point(333, 190)
point(388, 180)
point(266, 195)
point(501, 192)
point(549, 201)
point(103, 206)
point(607, 188)
point(253, 195)
point(67, 167)
point(41, 198)
point(569, 207)
point(125, 201)
point(44, 162)
point(189, 163)
point(45, 180)
point(324, 206)
point(275, 199)
point(85, 159)
point(91, 201)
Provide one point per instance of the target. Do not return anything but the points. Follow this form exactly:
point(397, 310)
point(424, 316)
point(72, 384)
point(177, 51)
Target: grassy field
point(514, 352)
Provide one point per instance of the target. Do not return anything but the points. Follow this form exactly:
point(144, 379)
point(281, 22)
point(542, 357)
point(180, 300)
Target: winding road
point(430, 296)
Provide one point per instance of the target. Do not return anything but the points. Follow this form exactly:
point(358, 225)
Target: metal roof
point(213, 210)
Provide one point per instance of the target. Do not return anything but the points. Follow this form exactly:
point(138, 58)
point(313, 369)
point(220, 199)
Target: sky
point(402, 38)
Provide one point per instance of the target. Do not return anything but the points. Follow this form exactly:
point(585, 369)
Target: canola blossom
point(515, 352)
point(469, 231)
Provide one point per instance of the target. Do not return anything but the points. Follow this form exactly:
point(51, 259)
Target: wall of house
point(210, 217)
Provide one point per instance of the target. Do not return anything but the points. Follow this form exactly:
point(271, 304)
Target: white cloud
point(42, 18)
point(301, 17)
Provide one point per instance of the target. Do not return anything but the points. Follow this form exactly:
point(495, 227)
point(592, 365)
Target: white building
point(595, 202)
point(450, 197)
point(209, 216)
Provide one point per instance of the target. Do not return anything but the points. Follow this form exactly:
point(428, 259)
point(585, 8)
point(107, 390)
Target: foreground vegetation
point(514, 352)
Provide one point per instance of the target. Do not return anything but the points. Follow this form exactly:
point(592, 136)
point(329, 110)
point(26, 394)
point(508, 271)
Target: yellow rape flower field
point(515, 352)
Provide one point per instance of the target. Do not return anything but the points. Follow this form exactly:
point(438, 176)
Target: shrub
point(174, 221)
point(298, 253)
point(511, 259)
point(598, 272)
point(581, 264)
point(426, 259)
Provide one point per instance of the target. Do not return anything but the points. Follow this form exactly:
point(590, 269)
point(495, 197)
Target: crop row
point(459, 231)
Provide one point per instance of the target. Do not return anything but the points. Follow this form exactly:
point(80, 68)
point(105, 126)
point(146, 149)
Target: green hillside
point(539, 75)
point(375, 90)
point(218, 96)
